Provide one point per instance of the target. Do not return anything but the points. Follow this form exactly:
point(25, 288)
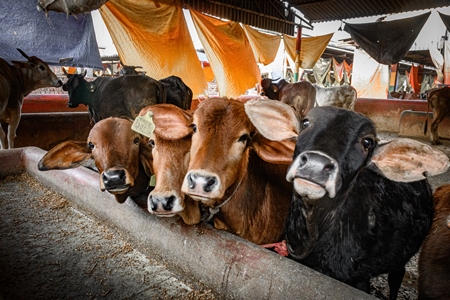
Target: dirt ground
point(50, 250)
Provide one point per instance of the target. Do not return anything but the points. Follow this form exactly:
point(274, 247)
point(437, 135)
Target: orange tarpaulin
point(229, 53)
point(414, 79)
point(155, 36)
point(311, 49)
point(264, 46)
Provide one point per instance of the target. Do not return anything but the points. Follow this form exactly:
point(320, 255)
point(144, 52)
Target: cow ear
point(66, 155)
point(406, 160)
point(146, 158)
point(275, 152)
point(171, 122)
point(275, 120)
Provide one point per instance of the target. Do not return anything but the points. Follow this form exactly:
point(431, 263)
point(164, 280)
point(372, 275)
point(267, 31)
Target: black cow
point(178, 93)
point(300, 95)
point(359, 208)
point(122, 96)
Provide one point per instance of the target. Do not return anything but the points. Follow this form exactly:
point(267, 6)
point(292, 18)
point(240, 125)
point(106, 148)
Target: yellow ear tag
point(152, 181)
point(144, 124)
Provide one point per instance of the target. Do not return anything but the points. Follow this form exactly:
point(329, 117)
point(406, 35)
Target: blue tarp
point(50, 37)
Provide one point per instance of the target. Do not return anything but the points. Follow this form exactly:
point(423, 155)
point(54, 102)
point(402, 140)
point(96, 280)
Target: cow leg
point(2, 138)
point(395, 279)
point(434, 137)
point(12, 129)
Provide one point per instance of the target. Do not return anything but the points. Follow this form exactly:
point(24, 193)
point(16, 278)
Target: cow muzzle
point(114, 181)
point(202, 186)
point(314, 174)
point(164, 204)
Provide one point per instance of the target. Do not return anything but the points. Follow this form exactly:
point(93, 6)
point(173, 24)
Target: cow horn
point(23, 53)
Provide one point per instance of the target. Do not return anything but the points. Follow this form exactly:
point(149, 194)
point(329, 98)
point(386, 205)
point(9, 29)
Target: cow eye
point(305, 123)
point(42, 68)
point(367, 143)
point(151, 143)
point(90, 145)
point(243, 138)
point(194, 128)
point(136, 140)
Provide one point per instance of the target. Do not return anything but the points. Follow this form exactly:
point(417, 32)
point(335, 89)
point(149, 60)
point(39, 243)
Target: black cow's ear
point(407, 160)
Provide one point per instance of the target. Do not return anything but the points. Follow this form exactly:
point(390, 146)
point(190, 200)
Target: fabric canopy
point(311, 49)
point(446, 20)
point(229, 53)
point(155, 36)
point(264, 46)
point(50, 38)
point(387, 42)
point(369, 78)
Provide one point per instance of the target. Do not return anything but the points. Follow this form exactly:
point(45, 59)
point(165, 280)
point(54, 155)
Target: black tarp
point(446, 20)
point(387, 42)
point(50, 38)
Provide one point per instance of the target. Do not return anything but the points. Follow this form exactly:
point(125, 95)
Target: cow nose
point(64, 87)
point(316, 166)
point(207, 183)
point(114, 178)
point(60, 83)
point(166, 203)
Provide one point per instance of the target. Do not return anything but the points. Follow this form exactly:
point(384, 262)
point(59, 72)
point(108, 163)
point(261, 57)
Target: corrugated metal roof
point(332, 10)
point(271, 15)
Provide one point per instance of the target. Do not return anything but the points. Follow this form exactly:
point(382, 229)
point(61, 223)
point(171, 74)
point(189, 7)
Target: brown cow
point(235, 172)
point(434, 258)
point(16, 82)
point(439, 101)
point(171, 142)
point(300, 95)
point(122, 157)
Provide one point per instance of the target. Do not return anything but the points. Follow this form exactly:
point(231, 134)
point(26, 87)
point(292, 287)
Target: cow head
point(335, 144)
point(221, 144)
point(270, 89)
point(171, 143)
point(38, 72)
point(116, 150)
point(78, 88)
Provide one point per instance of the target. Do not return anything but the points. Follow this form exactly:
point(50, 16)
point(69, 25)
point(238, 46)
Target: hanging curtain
point(320, 70)
point(348, 72)
point(447, 63)
point(311, 50)
point(414, 79)
point(338, 70)
point(438, 61)
point(369, 78)
point(387, 42)
point(264, 46)
point(155, 36)
point(229, 53)
point(446, 20)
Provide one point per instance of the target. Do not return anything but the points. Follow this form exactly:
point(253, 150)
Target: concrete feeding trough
point(230, 266)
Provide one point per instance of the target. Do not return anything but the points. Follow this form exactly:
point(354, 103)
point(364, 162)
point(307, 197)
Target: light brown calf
point(171, 143)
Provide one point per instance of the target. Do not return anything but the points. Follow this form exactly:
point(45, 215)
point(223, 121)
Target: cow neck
point(213, 210)
point(26, 81)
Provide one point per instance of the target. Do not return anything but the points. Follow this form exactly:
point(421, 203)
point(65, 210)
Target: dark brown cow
point(235, 172)
point(171, 143)
point(16, 82)
point(439, 101)
point(434, 258)
point(122, 157)
point(300, 95)
point(404, 95)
